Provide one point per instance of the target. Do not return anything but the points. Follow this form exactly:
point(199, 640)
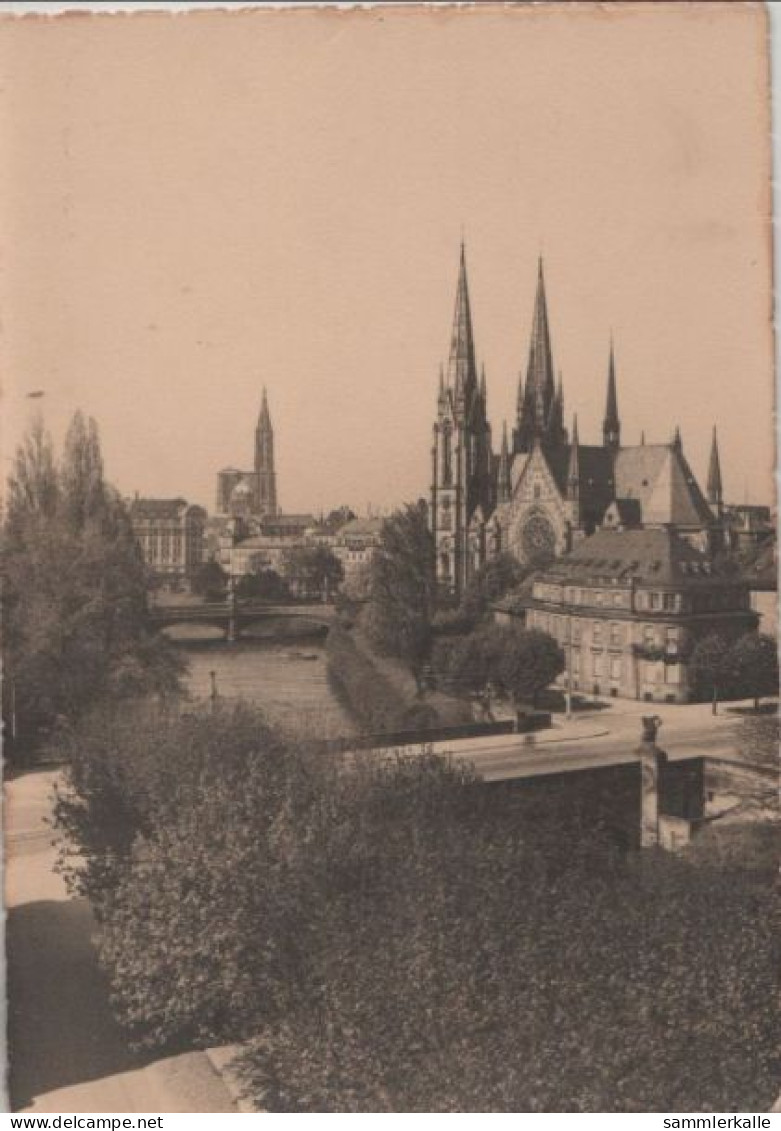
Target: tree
point(397, 617)
point(753, 659)
point(265, 585)
point(493, 580)
point(525, 662)
point(710, 668)
point(74, 609)
point(312, 571)
point(389, 934)
point(339, 517)
point(210, 581)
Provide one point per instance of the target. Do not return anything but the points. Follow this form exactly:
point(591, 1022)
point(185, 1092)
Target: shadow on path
point(60, 1027)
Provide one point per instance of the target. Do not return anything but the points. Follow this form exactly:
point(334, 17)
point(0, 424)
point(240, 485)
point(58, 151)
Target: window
point(597, 663)
point(669, 602)
point(671, 637)
point(615, 668)
point(576, 663)
point(616, 636)
point(576, 632)
point(596, 632)
point(600, 597)
point(537, 491)
point(649, 636)
point(672, 673)
point(655, 600)
point(617, 598)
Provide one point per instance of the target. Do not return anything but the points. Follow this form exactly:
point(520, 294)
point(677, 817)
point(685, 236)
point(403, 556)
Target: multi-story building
point(545, 490)
point(170, 533)
point(627, 608)
point(355, 544)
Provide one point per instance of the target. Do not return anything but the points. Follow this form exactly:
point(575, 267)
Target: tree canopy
point(388, 934)
point(397, 617)
point(746, 667)
point(312, 571)
point(75, 585)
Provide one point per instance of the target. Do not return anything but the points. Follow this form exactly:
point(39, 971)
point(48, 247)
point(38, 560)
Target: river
point(286, 678)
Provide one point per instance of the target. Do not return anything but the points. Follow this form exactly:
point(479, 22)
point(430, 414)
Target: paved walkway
point(66, 1052)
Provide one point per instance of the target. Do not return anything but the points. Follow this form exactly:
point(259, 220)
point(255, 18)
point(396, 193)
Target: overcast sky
point(194, 206)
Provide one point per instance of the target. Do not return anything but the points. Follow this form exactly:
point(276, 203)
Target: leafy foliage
point(495, 578)
point(74, 602)
point(210, 581)
point(520, 662)
point(390, 935)
point(754, 661)
point(728, 669)
point(312, 571)
point(266, 585)
point(397, 617)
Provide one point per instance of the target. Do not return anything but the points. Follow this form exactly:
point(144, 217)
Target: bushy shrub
point(368, 695)
point(390, 935)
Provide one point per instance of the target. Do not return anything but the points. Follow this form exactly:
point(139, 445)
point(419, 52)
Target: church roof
point(659, 476)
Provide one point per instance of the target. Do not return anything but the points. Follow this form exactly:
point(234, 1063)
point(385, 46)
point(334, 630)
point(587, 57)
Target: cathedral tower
point(462, 484)
point(540, 414)
point(265, 476)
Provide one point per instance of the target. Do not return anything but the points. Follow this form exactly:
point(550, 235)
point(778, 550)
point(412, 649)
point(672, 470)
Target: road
point(601, 738)
point(66, 1052)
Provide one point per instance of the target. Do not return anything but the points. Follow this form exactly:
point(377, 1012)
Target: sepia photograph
point(388, 559)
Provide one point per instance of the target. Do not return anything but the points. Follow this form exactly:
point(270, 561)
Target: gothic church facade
point(545, 490)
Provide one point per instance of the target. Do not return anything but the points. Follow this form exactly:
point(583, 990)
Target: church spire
point(264, 417)
point(265, 501)
point(677, 441)
point(715, 490)
point(611, 425)
point(537, 393)
point(504, 483)
point(573, 473)
point(461, 371)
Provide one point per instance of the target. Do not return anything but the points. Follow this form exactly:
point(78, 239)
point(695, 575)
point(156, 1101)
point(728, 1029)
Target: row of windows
point(603, 632)
point(603, 598)
point(597, 665)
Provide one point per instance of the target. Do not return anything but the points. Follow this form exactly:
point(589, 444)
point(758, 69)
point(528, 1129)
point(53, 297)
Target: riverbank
point(380, 693)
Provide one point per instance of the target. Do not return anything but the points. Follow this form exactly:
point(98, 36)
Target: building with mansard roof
point(546, 490)
point(628, 608)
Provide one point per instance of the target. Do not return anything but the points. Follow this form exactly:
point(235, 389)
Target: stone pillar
point(652, 763)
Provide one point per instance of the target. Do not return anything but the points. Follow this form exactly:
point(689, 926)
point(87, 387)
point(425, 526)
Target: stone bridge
point(234, 616)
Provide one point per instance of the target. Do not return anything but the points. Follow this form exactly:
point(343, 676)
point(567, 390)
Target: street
point(604, 737)
point(66, 1052)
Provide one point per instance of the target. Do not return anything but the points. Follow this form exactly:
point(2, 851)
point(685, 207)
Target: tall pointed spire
point(715, 489)
point(677, 441)
point(611, 425)
point(461, 370)
point(503, 480)
point(538, 391)
point(573, 473)
point(264, 417)
point(265, 502)
point(483, 388)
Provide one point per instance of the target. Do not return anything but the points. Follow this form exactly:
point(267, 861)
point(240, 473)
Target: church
point(545, 490)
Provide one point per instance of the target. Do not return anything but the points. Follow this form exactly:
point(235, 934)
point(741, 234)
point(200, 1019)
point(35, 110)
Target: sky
point(195, 206)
